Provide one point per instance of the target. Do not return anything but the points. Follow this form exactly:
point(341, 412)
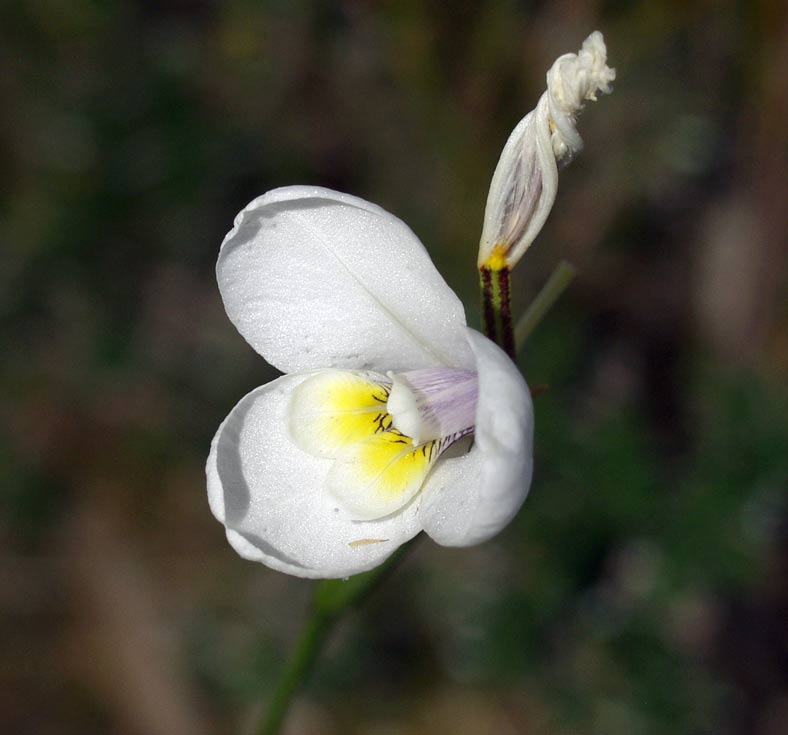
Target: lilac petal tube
point(433, 402)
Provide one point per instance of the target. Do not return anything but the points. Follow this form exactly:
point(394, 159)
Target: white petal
point(270, 496)
point(469, 499)
point(314, 278)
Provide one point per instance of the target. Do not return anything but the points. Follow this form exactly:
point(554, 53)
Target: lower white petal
point(271, 496)
point(468, 499)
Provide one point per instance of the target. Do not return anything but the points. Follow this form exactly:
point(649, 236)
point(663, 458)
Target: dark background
point(642, 589)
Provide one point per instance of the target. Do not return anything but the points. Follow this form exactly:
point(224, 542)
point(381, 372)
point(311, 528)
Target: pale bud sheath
point(525, 181)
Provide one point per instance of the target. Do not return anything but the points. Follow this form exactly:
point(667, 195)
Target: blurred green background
point(642, 589)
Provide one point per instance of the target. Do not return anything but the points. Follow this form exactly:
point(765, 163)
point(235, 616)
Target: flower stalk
point(496, 289)
point(298, 667)
point(332, 598)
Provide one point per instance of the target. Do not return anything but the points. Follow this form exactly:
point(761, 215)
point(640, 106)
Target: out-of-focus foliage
point(642, 590)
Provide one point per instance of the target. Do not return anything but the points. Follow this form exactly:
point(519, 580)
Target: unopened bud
point(525, 181)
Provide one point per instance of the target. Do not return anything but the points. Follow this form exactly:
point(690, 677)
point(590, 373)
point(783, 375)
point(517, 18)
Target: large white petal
point(314, 278)
point(469, 499)
point(270, 496)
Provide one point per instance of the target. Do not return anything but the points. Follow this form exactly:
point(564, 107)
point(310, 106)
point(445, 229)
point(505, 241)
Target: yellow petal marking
point(380, 474)
point(336, 408)
point(342, 415)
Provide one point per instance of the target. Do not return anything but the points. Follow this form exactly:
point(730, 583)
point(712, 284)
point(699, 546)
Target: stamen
point(433, 403)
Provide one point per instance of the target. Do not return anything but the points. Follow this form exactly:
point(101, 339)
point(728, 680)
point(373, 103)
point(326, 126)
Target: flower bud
point(525, 181)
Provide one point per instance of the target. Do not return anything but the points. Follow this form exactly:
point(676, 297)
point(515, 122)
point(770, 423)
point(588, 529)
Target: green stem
point(332, 598)
point(561, 277)
point(306, 651)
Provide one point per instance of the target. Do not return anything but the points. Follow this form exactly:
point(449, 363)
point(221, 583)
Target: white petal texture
point(469, 499)
point(313, 278)
point(271, 496)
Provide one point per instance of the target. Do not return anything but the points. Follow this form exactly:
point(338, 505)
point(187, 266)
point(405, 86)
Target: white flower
point(525, 181)
point(317, 473)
